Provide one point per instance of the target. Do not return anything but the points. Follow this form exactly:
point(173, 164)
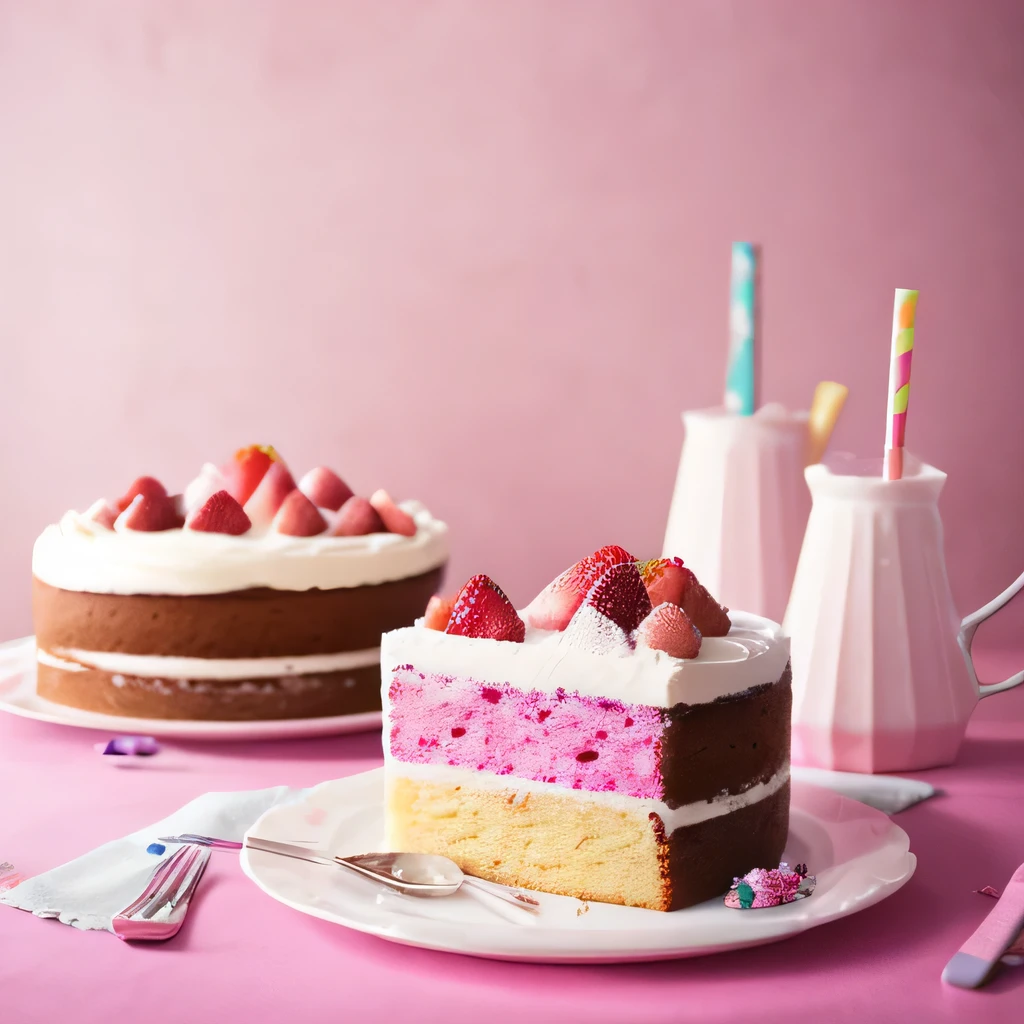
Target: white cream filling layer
point(154, 666)
point(78, 554)
point(673, 818)
point(754, 652)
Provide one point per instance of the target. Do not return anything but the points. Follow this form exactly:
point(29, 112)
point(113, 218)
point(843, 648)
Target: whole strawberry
point(483, 610)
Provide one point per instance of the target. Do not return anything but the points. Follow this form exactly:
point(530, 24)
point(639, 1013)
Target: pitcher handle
point(970, 626)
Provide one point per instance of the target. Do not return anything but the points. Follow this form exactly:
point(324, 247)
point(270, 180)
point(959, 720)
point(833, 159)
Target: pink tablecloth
point(244, 957)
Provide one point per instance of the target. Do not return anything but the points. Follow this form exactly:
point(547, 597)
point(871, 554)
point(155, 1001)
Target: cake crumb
point(582, 908)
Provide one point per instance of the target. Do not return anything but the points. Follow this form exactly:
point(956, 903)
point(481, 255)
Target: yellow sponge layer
point(554, 842)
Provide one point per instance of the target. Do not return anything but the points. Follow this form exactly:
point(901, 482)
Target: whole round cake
point(248, 596)
point(623, 738)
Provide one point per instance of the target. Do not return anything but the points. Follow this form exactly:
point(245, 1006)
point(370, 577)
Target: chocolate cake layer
point(314, 695)
point(727, 745)
point(700, 861)
point(256, 623)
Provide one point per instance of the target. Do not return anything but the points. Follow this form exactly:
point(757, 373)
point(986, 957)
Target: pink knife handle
point(982, 951)
point(1003, 923)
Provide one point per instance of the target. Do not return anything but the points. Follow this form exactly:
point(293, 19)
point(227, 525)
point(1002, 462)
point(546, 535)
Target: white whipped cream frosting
point(159, 666)
point(755, 651)
point(78, 554)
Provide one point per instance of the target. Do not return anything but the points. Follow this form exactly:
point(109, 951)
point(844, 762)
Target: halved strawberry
point(220, 513)
point(263, 503)
point(247, 468)
point(669, 629)
point(356, 518)
point(298, 517)
point(711, 618)
point(665, 579)
point(209, 481)
point(483, 610)
point(556, 604)
point(396, 519)
point(615, 605)
point(620, 595)
point(325, 488)
point(147, 485)
point(101, 512)
point(439, 612)
point(149, 515)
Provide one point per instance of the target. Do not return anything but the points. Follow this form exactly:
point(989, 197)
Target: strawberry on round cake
point(247, 596)
point(623, 739)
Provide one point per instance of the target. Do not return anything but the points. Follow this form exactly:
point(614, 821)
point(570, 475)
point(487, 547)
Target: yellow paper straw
point(829, 399)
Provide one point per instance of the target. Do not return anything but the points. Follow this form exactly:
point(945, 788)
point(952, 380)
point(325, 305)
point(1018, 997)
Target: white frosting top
point(78, 554)
point(755, 651)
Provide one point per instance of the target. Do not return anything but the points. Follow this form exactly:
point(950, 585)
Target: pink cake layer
point(572, 740)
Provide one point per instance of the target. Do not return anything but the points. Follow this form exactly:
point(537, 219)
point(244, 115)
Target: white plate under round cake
point(247, 597)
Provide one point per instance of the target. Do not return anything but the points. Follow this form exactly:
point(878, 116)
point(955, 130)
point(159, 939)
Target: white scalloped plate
point(857, 853)
point(18, 697)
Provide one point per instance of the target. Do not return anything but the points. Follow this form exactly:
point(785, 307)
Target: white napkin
point(887, 793)
point(86, 893)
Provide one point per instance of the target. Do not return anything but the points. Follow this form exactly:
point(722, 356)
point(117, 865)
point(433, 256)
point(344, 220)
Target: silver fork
point(167, 894)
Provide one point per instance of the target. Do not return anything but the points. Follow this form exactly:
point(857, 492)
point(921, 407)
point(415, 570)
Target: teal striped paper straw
point(739, 379)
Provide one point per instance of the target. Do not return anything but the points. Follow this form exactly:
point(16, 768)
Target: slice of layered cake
point(623, 739)
point(246, 597)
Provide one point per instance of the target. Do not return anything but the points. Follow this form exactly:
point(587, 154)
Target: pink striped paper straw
point(903, 313)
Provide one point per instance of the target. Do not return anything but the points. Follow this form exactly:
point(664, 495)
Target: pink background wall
point(478, 252)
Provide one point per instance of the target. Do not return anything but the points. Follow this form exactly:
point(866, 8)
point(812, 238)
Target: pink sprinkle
point(772, 886)
point(9, 878)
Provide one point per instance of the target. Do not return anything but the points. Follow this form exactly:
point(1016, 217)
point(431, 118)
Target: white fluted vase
point(879, 681)
point(740, 505)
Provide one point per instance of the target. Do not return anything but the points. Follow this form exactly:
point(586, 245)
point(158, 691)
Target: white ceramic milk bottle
point(882, 673)
point(740, 505)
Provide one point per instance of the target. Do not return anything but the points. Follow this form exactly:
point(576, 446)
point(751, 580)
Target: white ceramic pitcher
point(883, 678)
point(740, 505)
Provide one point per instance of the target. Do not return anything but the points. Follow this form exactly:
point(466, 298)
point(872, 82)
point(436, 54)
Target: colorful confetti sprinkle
point(770, 887)
point(9, 878)
point(132, 746)
point(156, 848)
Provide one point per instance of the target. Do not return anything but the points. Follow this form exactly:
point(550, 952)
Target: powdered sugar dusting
point(591, 631)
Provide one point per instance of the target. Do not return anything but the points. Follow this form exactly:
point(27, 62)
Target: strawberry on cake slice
point(623, 739)
point(247, 596)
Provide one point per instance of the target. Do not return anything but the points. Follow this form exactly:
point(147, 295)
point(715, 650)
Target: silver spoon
point(415, 874)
